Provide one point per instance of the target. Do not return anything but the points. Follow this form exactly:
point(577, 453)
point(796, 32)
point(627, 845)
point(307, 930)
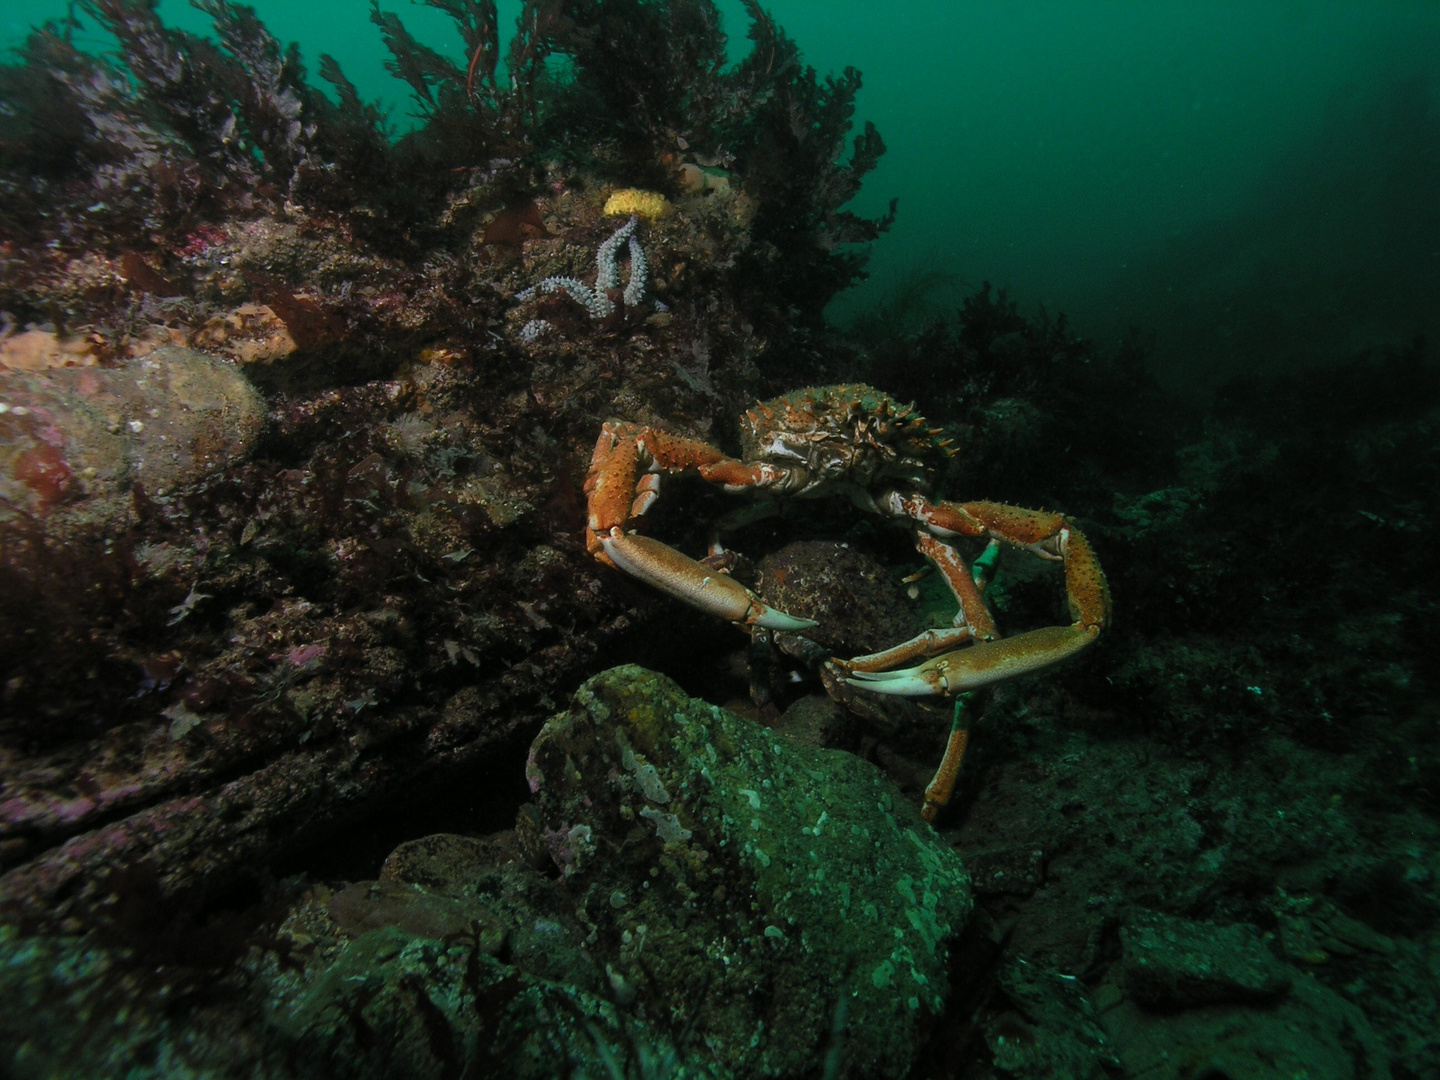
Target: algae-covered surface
point(333, 744)
point(727, 904)
point(767, 869)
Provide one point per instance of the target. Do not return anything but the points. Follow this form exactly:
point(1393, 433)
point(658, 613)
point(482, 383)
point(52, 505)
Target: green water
point(1258, 183)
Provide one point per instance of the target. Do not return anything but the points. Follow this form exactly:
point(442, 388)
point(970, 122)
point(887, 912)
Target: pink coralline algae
point(305, 654)
point(44, 470)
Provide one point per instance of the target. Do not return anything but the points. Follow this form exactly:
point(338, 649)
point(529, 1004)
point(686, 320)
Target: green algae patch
point(762, 881)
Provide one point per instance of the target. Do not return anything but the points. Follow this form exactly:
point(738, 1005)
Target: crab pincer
point(682, 577)
point(977, 665)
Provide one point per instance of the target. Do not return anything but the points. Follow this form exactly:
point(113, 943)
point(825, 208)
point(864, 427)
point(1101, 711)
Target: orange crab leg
point(1042, 532)
point(969, 669)
point(924, 644)
point(1047, 534)
point(610, 485)
point(981, 664)
point(624, 482)
point(962, 585)
point(991, 659)
point(624, 479)
point(942, 785)
point(699, 586)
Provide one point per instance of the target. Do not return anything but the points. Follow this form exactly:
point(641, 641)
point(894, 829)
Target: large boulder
point(755, 885)
point(81, 438)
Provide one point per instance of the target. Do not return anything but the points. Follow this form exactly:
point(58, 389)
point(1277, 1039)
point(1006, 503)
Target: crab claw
point(699, 586)
point(979, 665)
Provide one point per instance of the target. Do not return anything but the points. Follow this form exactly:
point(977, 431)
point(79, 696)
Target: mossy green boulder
point(748, 886)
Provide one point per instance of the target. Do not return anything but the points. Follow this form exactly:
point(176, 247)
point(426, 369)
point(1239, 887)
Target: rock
point(1175, 962)
point(860, 606)
point(514, 991)
point(727, 906)
point(1006, 869)
point(1311, 1032)
point(41, 350)
point(82, 437)
point(1050, 1029)
point(750, 884)
point(818, 720)
point(371, 905)
point(445, 862)
point(858, 603)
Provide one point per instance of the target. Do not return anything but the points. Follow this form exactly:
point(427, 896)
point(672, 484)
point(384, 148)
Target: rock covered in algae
point(751, 885)
point(83, 436)
point(725, 902)
point(720, 895)
point(1171, 962)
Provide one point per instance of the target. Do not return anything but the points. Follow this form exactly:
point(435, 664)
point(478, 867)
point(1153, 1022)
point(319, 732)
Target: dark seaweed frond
point(413, 63)
point(268, 84)
point(787, 129)
point(646, 71)
point(183, 78)
point(479, 30)
point(178, 131)
point(43, 129)
point(647, 84)
point(85, 156)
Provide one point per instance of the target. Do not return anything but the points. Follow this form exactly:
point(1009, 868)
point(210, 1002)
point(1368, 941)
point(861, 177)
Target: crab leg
point(924, 644)
point(992, 658)
point(965, 669)
point(963, 586)
point(981, 664)
point(699, 586)
point(1048, 535)
point(942, 784)
point(624, 482)
point(626, 467)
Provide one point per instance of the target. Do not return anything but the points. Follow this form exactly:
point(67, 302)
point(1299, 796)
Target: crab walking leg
point(973, 621)
point(942, 784)
point(629, 460)
point(610, 486)
point(682, 577)
point(1045, 534)
point(1041, 532)
point(624, 478)
point(624, 482)
point(924, 644)
point(973, 612)
point(982, 567)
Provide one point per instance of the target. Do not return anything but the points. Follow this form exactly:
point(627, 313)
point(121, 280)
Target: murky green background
point(1257, 182)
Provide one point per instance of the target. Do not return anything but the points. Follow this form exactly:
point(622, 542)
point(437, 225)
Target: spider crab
point(855, 442)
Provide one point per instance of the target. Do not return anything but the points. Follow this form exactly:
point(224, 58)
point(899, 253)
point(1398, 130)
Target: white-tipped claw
point(907, 682)
point(775, 619)
point(979, 665)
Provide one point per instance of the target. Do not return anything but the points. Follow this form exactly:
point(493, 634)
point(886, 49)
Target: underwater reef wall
point(379, 575)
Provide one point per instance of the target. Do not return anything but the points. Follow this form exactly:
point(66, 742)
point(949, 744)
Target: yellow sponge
point(648, 204)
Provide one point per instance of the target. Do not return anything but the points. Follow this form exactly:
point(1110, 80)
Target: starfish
point(596, 299)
